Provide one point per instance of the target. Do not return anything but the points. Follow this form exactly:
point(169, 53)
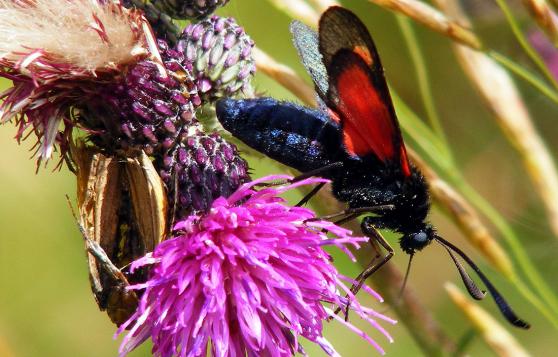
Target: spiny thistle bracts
point(221, 54)
point(145, 110)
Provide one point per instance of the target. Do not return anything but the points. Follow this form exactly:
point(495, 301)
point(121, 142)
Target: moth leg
point(103, 260)
point(304, 176)
point(317, 172)
point(95, 248)
point(311, 194)
point(352, 213)
point(376, 240)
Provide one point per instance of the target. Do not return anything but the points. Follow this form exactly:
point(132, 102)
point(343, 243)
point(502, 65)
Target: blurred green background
point(46, 306)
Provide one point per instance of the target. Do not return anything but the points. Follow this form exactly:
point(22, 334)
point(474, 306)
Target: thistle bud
point(200, 169)
point(221, 55)
point(189, 9)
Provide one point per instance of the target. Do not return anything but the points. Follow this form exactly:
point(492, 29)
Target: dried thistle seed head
point(57, 53)
point(189, 9)
point(145, 110)
point(221, 54)
point(200, 169)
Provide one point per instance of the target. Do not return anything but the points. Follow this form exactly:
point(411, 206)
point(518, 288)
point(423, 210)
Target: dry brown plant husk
point(122, 214)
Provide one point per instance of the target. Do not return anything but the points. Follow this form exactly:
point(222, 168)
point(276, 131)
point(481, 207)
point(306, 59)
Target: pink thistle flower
point(250, 277)
point(547, 50)
point(57, 53)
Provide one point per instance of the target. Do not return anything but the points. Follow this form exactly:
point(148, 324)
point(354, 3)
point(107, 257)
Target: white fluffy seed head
point(81, 33)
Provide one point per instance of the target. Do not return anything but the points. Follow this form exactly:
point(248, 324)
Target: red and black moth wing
point(358, 93)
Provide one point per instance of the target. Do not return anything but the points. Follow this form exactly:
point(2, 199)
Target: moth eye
point(420, 237)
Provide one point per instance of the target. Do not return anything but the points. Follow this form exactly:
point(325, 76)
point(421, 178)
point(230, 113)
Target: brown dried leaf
point(122, 209)
point(99, 199)
point(148, 199)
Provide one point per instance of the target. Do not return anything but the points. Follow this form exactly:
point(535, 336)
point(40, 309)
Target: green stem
point(422, 76)
point(525, 74)
point(524, 43)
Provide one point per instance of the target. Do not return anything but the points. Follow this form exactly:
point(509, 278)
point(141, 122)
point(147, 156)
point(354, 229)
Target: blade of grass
point(420, 133)
point(430, 17)
point(529, 50)
point(525, 74)
point(423, 82)
point(297, 9)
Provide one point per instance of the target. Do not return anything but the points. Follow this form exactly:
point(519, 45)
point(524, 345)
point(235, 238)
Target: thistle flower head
point(249, 277)
point(57, 52)
point(189, 9)
point(221, 54)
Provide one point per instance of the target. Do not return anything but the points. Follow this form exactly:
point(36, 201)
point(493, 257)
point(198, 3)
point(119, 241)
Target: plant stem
point(524, 43)
point(422, 76)
point(525, 74)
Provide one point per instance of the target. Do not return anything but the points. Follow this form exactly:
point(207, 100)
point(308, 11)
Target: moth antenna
point(405, 279)
point(502, 304)
point(472, 288)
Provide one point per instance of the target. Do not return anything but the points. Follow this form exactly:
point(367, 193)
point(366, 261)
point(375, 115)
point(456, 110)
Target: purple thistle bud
point(202, 167)
point(188, 9)
point(150, 106)
point(249, 277)
point(219, 55)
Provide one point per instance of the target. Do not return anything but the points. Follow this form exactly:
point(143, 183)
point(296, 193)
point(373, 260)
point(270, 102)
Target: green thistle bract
point(221, 54)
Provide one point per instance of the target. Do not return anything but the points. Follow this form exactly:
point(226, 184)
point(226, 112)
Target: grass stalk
point(422, 76)
point(529, 50)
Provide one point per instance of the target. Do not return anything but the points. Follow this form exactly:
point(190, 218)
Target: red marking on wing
point(368, 124)
point(405, 162)
point(364, 53)
point(333, 116)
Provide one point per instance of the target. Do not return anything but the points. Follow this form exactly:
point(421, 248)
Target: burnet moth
point(354, 140)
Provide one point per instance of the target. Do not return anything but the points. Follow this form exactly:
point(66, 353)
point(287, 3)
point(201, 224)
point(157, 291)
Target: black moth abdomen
point(299, 137)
